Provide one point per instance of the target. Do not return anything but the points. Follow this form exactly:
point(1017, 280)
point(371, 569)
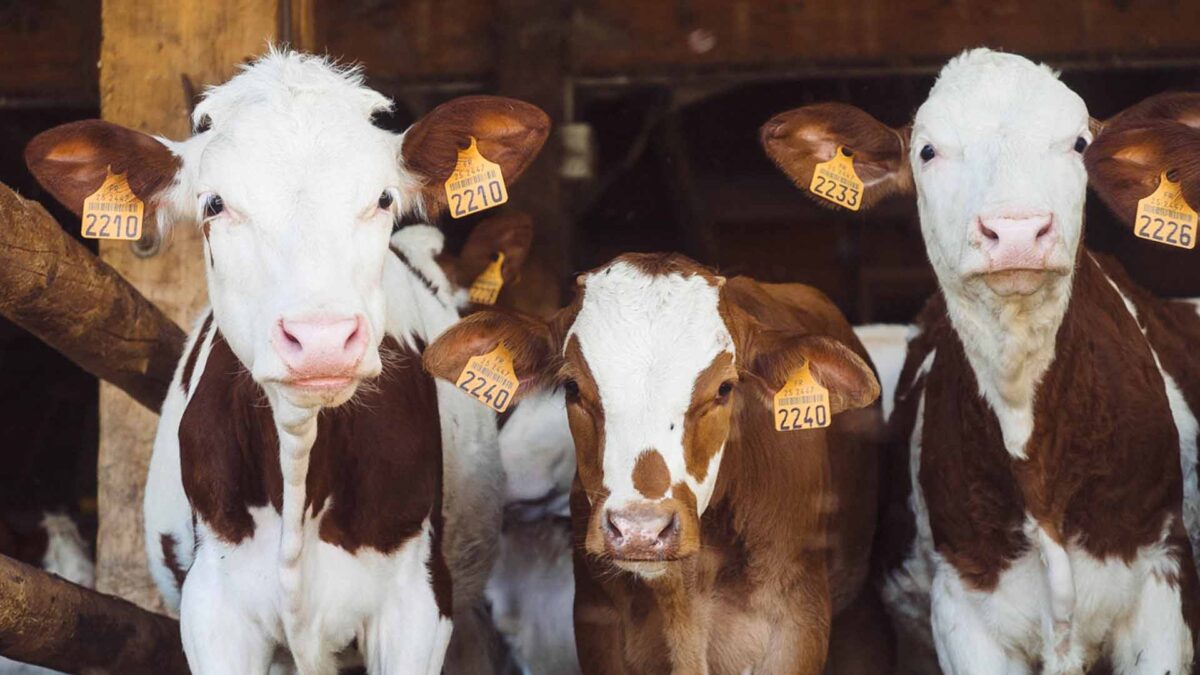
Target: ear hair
point(774, 355)
point(527, 338)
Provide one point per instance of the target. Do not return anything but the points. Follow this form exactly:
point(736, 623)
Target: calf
point(706, 540)
point(277, 515)
point(1040, 413)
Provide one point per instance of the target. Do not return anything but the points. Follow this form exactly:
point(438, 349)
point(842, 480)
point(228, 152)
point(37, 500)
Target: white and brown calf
point(295, 496)
point(1046, 405)
point(706, 540)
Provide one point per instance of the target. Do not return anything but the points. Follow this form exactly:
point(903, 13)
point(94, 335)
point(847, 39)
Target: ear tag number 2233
point(1165, 217)
point(475, 184)
point(490, 379)
point(837, 181)
point(802, 403)
point(113, 211)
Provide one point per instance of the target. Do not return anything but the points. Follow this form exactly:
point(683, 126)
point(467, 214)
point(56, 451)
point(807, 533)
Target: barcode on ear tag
point(1165, 217)
point(490, 378)
point(475, 185)
point(837, 181)
point(112, 211)
point(487, 285)
point(801, 403)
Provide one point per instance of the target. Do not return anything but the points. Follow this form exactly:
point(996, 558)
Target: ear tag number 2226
point(802, 403)
point(1165, 217)
point(490, 379)
point(475, 184)
point(837, 181)
point(113, 211)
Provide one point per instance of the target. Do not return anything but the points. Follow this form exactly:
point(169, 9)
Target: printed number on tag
point(490, 378)
point(837, 181)
point(802, 403)
point(475, 184)
point(113, 211)
point(1165, 217)
point(487, 285)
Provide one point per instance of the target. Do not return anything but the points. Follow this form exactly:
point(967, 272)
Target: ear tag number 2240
point(837, 181)
point(490, 378)
point(801, 403)
point(113, 211)
point(1165, 217)
point(475, 184)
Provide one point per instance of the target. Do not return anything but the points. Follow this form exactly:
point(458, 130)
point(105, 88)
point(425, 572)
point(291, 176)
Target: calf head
point(295, 190)
point(659, 369)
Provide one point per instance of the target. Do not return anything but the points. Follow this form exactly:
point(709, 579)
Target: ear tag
point(487, 285)
point(475, 184)
point(113, 211)
point(836, 181)
point(490, 379)
point(1165, 217)
point(802, 403)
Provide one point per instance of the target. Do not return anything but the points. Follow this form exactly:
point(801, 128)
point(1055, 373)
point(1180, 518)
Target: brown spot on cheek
point(650, 475)
point(706, 425)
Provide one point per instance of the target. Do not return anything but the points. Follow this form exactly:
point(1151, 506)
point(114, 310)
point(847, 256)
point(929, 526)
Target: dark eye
point(571, 388)
point(1080, 144)
point(725, 390)
point(385, 200)
point(213, 206)
point(927, 153)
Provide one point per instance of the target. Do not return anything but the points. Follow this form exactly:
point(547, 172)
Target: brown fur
point(650, 475)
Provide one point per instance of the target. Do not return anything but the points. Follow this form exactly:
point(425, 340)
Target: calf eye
point(927, 153)
point(385, 200)
point(1080, 144)
point(213, 206)
point(725, 390)
point(571, 388)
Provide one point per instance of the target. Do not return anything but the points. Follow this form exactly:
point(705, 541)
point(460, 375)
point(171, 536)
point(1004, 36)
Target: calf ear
point(775, 355)
point(71, 161)
point(800, 139)
point(1133, 149)
point(507, 131)
point(510, 233)
point(528, 339)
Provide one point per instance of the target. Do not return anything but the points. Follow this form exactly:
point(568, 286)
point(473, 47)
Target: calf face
point(652, 360)
point(295, 190)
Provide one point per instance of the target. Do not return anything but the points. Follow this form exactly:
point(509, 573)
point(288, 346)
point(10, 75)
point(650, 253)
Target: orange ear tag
point(490, 379)
point(113, 211)
point(487, 285)
point(802, 403)
point(1165, 217)
point(837, 182)
point(475, 184)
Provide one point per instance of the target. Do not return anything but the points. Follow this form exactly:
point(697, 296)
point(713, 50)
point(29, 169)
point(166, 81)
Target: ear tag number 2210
point(1165, 217)
point(801, 403)
point(490, 378)
point(475, 184)
point(837, 181)
point(113, 211)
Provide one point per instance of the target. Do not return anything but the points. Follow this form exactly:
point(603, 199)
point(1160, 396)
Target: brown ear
point(528, 339)
point(509, 132)
point(775, 355)
point(72, 160)
point(1134, 148)
point(510, 233)
point(800, 139)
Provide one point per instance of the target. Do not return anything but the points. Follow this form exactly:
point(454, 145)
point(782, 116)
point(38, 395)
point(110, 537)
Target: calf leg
point(1155, 639)
point(410, 635)
point(966, 645)
point(218, 637)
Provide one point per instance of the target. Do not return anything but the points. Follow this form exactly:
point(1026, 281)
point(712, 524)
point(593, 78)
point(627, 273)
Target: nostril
point(612, 525)
point(671, 529)
point(1045, 230)
point(354, 334)
point(988, 232)
point(292, 339)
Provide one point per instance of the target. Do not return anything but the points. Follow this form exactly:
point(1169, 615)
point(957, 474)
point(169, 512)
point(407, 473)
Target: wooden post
point(148, 48)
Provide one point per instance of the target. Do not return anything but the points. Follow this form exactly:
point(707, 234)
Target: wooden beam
point(51, 622)
point(148, 47)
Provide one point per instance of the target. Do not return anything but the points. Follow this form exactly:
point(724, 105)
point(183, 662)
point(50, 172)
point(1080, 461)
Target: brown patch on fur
point(171, 560)
point(190, 364)
point(706, 423)
point(650, 475)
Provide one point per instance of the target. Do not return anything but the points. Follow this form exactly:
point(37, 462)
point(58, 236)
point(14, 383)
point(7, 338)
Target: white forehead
point(646, 336)
point(984, 94)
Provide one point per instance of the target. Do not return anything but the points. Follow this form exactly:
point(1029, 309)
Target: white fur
point(537, 448)
point(645, 339)
point(887, 345)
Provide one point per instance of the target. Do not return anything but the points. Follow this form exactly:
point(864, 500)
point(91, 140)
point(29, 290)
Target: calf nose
point(647, 531)
point(320, 347)
point(1016, 243)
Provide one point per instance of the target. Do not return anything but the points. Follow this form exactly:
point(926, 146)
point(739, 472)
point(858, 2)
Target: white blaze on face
point(646, 338)
point(1003, 133)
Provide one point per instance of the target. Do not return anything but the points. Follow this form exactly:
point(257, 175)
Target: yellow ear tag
point(113, 211)
point(802, 403)
point(487, 285)
point(1165, 216)
point(490, 379)
point(475, 184)
point(836, 181)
